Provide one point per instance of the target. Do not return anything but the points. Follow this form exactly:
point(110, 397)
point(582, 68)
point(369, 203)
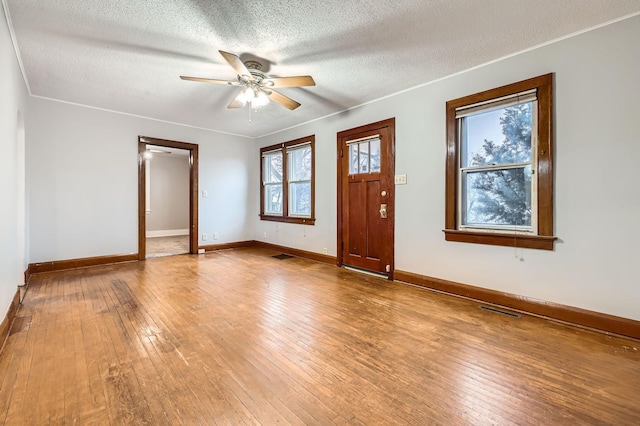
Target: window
point(499, 182)
point(364, 155)
point(287, 182)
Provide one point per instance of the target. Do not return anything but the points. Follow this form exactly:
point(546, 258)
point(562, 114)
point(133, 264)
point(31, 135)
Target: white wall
point(82, 175)
point(12, 110)
point(169, 193)
point(597, 200)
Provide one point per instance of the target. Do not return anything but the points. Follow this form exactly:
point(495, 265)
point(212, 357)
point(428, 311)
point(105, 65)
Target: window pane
point(272, 167)
point(299, 164)
point(501, 136)
point(353, 159)
point(497, 197)
point(363, 147)
point(374, 150)
point(300, 199)
point(273, 199)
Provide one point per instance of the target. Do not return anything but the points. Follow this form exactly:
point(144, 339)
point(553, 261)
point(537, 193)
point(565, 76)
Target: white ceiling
point(127, 56)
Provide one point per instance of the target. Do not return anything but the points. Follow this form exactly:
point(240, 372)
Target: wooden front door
point(366, 165)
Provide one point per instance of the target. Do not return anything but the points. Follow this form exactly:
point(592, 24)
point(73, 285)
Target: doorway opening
point(366, 194)
point(167, 197)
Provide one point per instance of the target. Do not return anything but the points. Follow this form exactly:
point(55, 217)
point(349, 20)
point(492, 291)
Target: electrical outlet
point(265, 235)
point(401, 179)
point(204, 237)
point(215, 236)
point(205, 194)
point(324, 250)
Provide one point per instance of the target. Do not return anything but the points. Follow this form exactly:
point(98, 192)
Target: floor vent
point(282, 256)
point(499, 311)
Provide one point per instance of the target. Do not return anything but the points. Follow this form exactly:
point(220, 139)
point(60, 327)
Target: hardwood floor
point(238, 337)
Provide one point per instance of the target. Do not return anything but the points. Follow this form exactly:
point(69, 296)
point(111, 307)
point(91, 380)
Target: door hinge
point(341, 152)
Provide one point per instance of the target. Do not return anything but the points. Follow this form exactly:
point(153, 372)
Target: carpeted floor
point(167, 246)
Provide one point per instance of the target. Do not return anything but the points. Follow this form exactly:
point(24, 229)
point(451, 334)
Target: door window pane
point(353, 159)
point(374, 153)
point(363, 148)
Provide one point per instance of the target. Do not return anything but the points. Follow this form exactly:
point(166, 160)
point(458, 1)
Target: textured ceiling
point(126, 55)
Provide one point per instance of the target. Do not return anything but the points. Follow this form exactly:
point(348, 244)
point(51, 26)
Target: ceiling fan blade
point(236, 63)
point(283, 100)
point(296, 81)
point(207, 80)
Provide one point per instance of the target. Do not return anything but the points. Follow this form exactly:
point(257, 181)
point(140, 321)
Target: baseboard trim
point(60, 265)
point(324, 258)
point(227, 246)
point(27, 275)
point(7, 322)
point(553, 311)
point(167, 233)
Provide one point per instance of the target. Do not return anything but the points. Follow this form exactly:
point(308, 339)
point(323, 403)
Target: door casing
point(143, 141)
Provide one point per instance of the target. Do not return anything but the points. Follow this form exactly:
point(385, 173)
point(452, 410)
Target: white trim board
point(167, 233)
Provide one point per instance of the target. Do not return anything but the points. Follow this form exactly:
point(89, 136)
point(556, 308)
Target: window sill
point(541, 242)
point(299, 220)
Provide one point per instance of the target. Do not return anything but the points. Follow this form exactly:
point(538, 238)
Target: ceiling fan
point(257, 86)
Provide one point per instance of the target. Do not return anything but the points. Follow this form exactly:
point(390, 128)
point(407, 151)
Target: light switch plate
point(401, 179)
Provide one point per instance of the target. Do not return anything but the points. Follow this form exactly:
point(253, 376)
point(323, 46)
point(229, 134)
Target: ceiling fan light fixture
point(254, 96)
point(246, 95)
point(260, 100)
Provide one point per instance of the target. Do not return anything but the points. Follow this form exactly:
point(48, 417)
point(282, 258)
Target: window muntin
point(464, 173)
point(287, 183)
point(497, 191)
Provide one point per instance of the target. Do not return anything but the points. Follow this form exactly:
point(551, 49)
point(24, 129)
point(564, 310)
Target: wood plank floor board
point(26, 412)
point(127, 316)
point(19, 367)
point(289, 390)
point(155, 391)
point(238, 337)
point(9, 370)
point(167, 346)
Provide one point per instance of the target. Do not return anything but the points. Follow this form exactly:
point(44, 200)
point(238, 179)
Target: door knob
point(383, 211)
